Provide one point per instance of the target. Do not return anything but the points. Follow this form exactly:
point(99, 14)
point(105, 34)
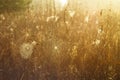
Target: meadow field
point(71, 43)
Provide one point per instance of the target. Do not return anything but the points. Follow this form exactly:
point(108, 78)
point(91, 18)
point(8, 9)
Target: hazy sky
point(89, 4)
point(100, 4)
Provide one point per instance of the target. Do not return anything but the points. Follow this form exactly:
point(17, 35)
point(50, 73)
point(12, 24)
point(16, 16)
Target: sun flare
point(63, 2)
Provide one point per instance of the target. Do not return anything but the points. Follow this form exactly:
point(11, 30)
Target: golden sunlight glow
point(63, 2)
point(86, 4)
point(100, 4)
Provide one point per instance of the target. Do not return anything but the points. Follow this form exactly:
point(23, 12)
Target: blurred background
point(59, 39)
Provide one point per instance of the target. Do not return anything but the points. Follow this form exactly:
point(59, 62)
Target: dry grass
point(83, 46)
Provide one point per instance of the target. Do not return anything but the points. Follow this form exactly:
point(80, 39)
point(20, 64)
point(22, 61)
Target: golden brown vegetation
point(70, 45)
